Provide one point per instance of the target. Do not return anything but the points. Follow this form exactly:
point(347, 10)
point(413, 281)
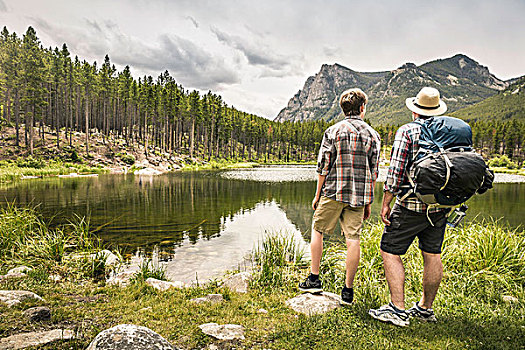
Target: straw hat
point(427, 102)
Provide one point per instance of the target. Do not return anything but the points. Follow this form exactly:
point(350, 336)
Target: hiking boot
point(425, 315)
point(311, 286)
point(347, 296)
point(390, 313)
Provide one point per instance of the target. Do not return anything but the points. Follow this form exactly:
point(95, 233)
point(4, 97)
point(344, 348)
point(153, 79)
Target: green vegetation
point(483, 262)
point(507, 105)
point(12, 171)
point(45, 90)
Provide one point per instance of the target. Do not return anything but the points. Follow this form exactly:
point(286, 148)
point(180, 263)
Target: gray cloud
point(194, 21)
point(3, 7)
point(256, 53)
point(190, 64)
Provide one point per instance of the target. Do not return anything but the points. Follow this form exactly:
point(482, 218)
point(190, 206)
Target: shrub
point(30, 162)
point(127, 158)
point(503, 161)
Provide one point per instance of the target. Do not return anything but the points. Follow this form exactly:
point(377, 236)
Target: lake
point(206, 222)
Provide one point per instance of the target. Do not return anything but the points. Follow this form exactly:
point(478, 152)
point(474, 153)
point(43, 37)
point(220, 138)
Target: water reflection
point(206, 221)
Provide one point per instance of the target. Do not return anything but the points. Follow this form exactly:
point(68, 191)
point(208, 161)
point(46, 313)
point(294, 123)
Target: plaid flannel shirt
point(349, 157)
point(404, 149)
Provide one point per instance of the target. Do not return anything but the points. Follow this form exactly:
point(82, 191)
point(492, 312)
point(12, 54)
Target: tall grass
point(482, 261)
point(25, 238)
point(277, 256)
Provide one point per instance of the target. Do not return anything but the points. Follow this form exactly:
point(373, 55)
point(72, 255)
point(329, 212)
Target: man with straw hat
point(408, 219)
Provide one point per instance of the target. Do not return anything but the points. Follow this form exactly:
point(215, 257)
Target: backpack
point(446, 171)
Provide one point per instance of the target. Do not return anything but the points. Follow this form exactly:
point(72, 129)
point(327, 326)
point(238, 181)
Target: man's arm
point(396, 172)
point(385, 208)
point(320, 183)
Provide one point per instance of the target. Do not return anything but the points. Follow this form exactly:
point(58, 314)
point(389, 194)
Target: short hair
point(351, 101)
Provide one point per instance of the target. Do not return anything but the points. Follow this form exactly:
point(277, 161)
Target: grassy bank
point(483, 262)
point(13, 171)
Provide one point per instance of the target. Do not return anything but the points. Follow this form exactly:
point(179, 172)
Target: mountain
point(460, 80)
point(505, 105)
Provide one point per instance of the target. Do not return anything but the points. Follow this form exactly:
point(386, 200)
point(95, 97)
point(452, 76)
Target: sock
point(313, 277)
point(346, 289)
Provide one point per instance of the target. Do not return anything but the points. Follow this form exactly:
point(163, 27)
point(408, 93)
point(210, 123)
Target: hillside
point(461, 80)
point(507, 105)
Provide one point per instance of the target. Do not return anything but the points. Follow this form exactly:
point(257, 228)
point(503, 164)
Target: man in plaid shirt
point(410, 218)
point(347, 170)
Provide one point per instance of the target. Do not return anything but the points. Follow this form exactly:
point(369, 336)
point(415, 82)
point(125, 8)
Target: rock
point(239, 282)
point(164, 285)
point(121, 279)
point(210, 298)
point(111, 259)
point(509, 299)
point(129, 337)
point(19, 271)
point(55, 278)
point(223, 332)
point(25, 340)
point(262, 311)
point(314, 304)
point(38, 314)
point(13, 297)
point(147, 172)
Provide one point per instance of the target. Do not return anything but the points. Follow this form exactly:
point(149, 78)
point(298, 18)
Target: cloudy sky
point(258, 54)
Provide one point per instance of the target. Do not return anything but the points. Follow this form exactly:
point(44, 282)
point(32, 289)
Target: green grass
point(482, 262)
point(219, 165)
point(11, 171)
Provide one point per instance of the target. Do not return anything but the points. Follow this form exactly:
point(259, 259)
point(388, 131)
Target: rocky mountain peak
point(461, 80)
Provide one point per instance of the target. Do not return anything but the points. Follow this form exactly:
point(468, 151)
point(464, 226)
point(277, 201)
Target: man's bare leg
point(432, 275)
point(316, 250)
point(395, 276)
point(353, 252)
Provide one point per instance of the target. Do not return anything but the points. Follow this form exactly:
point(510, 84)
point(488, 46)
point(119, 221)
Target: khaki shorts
point(327, 213)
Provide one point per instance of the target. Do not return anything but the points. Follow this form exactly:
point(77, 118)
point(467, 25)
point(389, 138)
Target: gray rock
point(239, 282)
point(111, 259)
point(129, 337)
point(55, 278)
point(38, 314)
point(121, 279)
point(223, 332)
point(164, 285)
point(314, 304)
point(510, 299)
point(13, 297)
point(19, 271)
point(210, 298)
point(25, 340)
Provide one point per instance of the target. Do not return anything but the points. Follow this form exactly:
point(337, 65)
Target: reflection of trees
point(161, 210)
point(143, 211)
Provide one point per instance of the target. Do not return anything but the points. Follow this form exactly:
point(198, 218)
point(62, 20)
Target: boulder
point(210, 298)
point(121, 279)
point(223, 332)
point(13, 297)
point(239, 282)
point(19, 271)
point(164, 285)
point(32, 339)
point(38, 314)
point(314, 304)
point(129, 337)
point(111, 259)
point(147, 172)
